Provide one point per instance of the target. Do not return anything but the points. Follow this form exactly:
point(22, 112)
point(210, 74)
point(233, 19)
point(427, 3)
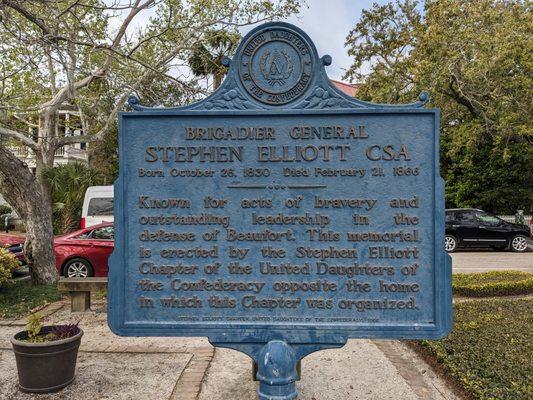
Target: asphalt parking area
point(482, 260)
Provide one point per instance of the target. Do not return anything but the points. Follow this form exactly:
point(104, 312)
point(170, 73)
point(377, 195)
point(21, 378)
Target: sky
point(327, 22)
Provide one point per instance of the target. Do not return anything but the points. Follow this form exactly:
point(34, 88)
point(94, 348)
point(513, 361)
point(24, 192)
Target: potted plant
point(46, 355)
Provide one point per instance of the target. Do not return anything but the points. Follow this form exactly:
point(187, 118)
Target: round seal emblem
point(275, 66)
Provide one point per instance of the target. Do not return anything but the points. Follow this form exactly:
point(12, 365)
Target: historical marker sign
point(279, 216)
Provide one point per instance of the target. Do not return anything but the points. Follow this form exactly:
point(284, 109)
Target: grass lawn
point(19, 298)
point(493, 283)
point(489, 352)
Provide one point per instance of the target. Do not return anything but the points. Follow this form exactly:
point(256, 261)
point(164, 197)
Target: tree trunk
point(45, 157)
point(30, 195)
point(22, 190)
point(39, 223)
point(40, 242)
point(217, 80)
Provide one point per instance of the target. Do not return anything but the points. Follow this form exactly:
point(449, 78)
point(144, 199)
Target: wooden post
point(80, 301)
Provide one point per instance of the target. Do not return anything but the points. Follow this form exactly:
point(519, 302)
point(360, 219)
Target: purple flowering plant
point(58, 332)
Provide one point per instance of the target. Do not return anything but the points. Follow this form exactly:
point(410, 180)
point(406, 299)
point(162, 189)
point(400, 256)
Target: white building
point(68, 124)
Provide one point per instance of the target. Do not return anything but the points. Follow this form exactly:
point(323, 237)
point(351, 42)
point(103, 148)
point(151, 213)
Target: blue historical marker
point(279, 216)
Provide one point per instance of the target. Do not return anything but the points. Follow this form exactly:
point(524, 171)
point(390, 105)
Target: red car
point(15, 245)
point(85, 252)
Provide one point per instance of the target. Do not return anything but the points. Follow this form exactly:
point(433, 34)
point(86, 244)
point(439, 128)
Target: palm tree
point(69, 183)
point(206, 58)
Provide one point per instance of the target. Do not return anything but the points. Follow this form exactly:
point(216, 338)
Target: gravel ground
point(109, 367)
point(110, 376)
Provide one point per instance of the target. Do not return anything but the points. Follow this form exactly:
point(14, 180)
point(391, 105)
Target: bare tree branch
point(17, 6)
point(148, 74)
point(21, 137)
point(33, 125)
point(69, 90)
point(63, 94)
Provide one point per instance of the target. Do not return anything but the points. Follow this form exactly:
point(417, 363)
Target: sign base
point(277, 364)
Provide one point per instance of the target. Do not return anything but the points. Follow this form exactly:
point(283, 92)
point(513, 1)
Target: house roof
point(350, 89)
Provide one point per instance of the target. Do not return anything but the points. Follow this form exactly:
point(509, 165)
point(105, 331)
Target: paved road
point(490, 260)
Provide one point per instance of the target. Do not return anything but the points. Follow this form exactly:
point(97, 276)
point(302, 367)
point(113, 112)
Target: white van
point(97, 206)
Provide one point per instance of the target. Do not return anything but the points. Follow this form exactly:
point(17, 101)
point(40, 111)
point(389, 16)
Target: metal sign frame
point(311, 94)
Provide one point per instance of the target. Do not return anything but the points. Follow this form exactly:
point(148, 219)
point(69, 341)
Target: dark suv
point(467, 227)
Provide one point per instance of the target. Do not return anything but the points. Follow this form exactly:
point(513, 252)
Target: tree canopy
point(206, 58)
point(93, 53)
point(475, 59)
point(90, 55)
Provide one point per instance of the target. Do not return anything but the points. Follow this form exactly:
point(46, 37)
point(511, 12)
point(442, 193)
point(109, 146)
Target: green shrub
point(8, 263)
point(488, 352)
point(5, 209)
point(69, 183)
point(493, 283)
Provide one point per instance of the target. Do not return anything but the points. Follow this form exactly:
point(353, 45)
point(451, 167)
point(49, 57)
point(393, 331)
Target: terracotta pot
point(47, 366)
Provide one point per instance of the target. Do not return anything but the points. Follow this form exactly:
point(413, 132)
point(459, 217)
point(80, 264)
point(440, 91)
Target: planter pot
point(48, 366)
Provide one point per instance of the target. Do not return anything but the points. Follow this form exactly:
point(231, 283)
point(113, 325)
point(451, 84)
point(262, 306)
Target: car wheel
point(519, 243)
point(450, 243)
point(78, 268)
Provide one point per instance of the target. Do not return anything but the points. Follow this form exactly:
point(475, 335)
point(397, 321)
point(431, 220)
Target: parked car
point(18, 251)
point(467, 227)
point(85, 252)
point(97, 206)
point(7, 240)
point(15, 245)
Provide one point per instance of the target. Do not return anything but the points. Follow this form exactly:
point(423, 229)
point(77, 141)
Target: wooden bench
point(79, 290)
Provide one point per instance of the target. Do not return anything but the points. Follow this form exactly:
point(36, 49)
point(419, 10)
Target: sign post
point(278, 216)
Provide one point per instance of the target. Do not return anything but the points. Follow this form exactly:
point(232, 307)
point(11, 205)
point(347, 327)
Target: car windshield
point(105, 233)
